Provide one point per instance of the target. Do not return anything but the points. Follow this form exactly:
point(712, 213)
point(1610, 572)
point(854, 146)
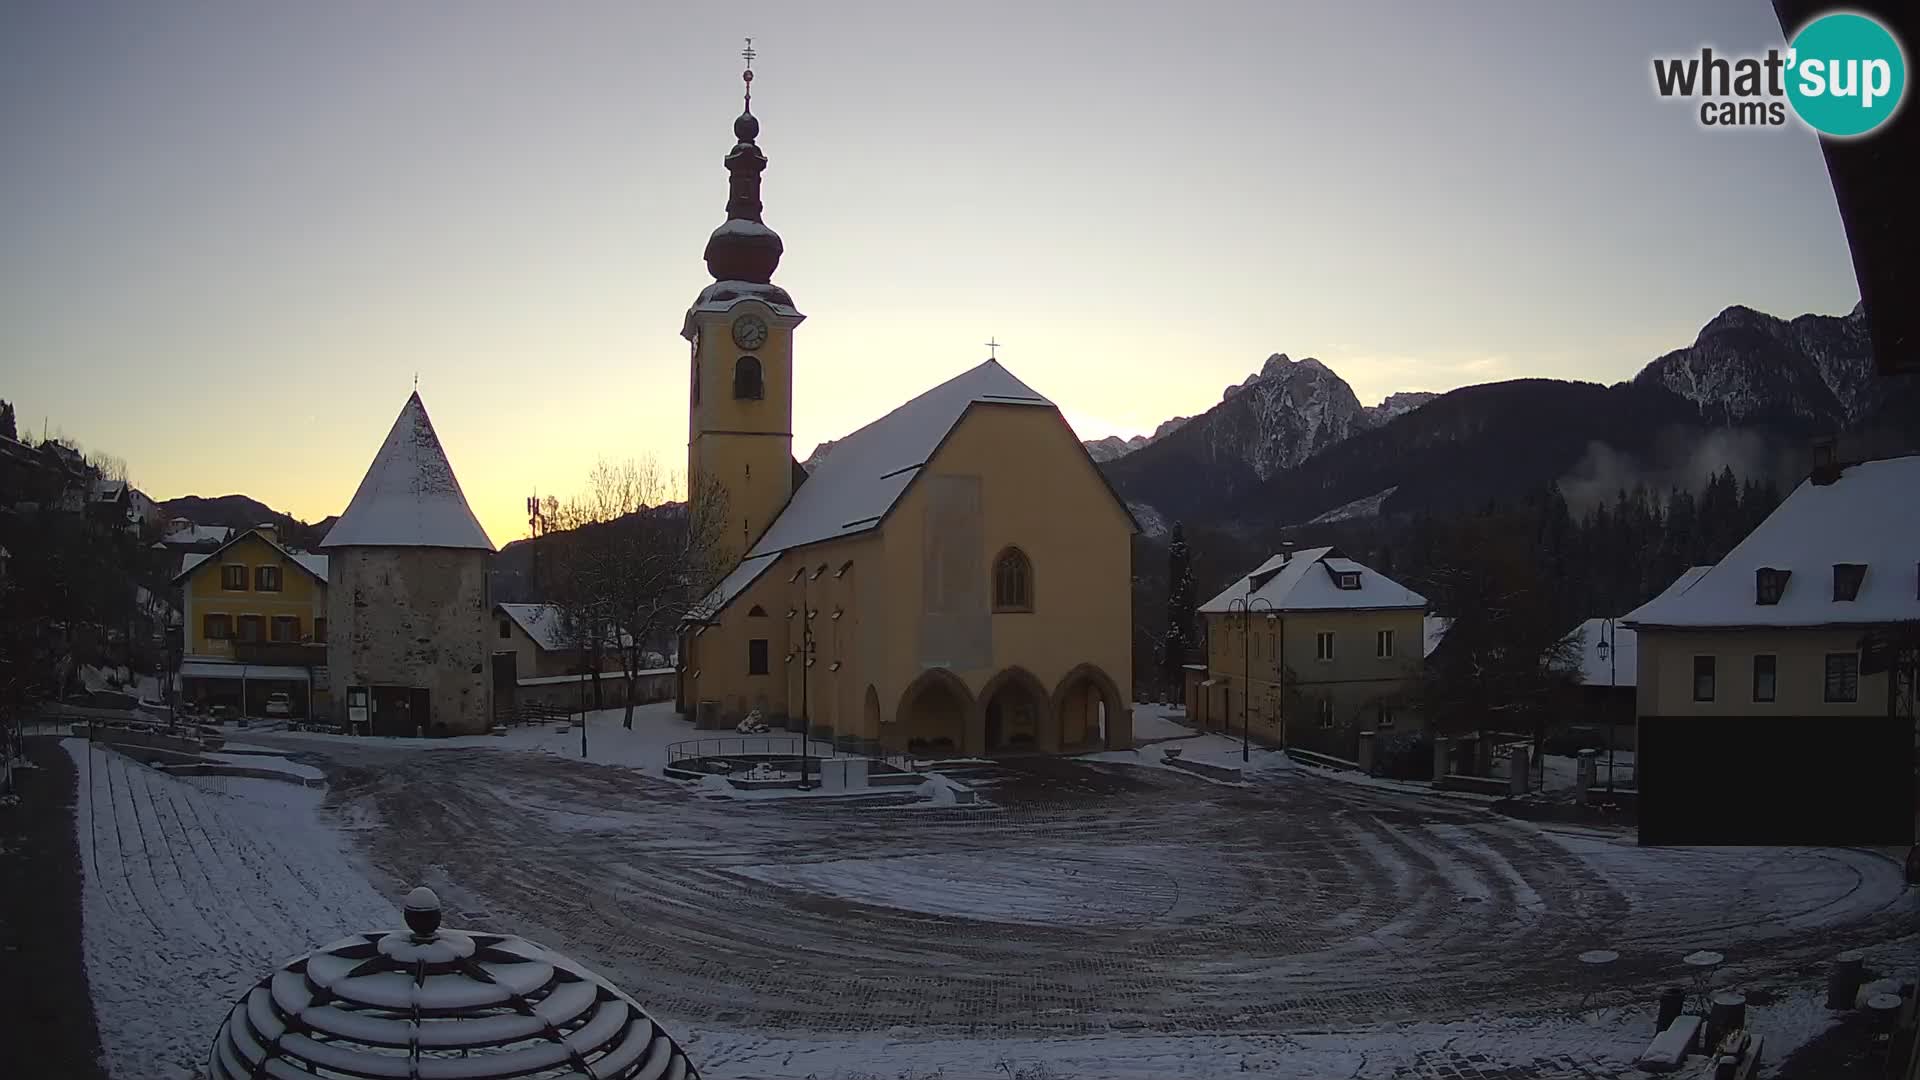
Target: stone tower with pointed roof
point(408, 609)
point(954, 578)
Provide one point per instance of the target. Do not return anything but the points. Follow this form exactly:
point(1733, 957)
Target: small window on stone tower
point(1012, 581)
point(747, 384)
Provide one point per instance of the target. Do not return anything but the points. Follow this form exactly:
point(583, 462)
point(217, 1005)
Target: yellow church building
point(954, 578)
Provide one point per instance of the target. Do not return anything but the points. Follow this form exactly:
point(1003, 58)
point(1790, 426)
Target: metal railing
point(776, 746)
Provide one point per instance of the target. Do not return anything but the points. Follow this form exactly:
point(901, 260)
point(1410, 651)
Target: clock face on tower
point(749, 332)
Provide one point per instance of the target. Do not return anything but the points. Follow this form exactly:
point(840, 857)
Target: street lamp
point(1246, 606)
point(1610, 655)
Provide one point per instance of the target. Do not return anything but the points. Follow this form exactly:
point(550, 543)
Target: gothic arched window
point(747, 383)
point(1012, 581)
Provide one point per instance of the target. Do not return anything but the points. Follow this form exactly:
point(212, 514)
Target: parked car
point(279, 705)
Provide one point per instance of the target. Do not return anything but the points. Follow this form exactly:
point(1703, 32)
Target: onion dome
point(743, 248)
point(426, 1002)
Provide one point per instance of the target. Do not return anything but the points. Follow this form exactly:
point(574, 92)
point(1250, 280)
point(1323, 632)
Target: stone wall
point(413, 616)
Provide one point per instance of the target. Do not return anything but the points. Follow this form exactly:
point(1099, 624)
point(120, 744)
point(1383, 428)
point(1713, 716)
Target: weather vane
point(992, 347)
point(748, 54)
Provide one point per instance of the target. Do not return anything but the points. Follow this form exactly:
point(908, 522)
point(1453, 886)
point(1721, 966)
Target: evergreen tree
point(1177, 644)
point(8, 426)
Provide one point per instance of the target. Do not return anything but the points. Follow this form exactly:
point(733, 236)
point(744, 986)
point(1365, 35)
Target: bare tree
point(627, 564)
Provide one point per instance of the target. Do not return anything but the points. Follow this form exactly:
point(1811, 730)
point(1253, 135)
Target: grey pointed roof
point(410, 497)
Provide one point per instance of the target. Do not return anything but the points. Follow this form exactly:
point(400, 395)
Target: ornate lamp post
point(1246, 606)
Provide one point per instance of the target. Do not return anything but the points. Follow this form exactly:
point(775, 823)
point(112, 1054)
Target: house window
point(1323, 645)
point(1326, 712)
point(1846, 580)
point(1383, 644)
point(217, 627)
point(1843, 677)
point(747, 384)
point(1769, 584)
point(266, 579)
point(1386, 716)
point(252, 627)
point(757, 656)
point(1012, 581)
point(284, 628)
point(1703, 678)
point(1765, 677)
point(233, 578)
point(320, 630)
point(506, 629)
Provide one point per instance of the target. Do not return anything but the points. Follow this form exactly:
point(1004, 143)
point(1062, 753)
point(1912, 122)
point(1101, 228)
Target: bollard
point(1520, 771)
point(1673, 1002)
point(1885, 1011)
point(1441, 749)
point(1727, 1013)
point(1844, 982)
point(1366, 752)
point(1585, 775)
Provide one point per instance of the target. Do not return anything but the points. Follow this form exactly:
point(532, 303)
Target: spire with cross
point(992, 349)
point(748, 54)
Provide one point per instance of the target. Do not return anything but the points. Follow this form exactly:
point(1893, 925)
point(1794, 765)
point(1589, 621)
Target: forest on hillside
point(1564, 568)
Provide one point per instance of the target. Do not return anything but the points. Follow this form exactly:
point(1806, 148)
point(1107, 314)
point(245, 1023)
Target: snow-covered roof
point(1869, 516)
point(545, 624)
point(723, 295)
point(735, 583)
point(228, 669)
point(312, 564)
point(1434, 629)
point(1621, 664)
point(197, 534)
point(852, 490)
point(410, 497)
point(1305, 581)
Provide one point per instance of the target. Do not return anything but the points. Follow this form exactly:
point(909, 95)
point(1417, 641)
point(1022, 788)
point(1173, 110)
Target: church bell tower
point(740, 411)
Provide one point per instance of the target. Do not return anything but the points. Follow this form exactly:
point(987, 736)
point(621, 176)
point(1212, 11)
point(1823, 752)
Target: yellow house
point(254, 617)
point(954, 577)
point(1310, 650)
point(1775, 628)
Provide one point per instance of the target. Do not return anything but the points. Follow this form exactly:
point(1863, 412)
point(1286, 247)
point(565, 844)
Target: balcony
point(281, 653)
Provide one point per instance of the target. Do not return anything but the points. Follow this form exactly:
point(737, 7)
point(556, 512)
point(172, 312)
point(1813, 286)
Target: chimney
point(269, 530)
point(1286, 551)
point(1827, 461)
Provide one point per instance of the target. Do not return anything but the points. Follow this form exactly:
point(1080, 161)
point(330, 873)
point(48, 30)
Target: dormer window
point(1846, 580)
point(1347, 579)
point(1769, 584)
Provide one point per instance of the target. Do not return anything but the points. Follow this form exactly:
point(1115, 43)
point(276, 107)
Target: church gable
point(1039, 450)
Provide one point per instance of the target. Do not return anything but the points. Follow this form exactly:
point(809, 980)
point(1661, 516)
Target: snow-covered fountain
point(432, 1002)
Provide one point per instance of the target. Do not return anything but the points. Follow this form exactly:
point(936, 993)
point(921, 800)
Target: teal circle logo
point(1845, 74)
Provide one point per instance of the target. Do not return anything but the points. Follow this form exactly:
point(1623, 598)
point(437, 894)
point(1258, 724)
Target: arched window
point(1012, 581)
point(747, 383)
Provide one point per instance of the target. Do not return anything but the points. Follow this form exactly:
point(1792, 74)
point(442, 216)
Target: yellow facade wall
point(301, 596)
point(1357, 680)
point(1665, 675)
point(1040, 493)
point(745, 445)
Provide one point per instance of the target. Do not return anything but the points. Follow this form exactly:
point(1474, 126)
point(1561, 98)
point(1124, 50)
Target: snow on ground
point(1095, 922)
point(1153, 721)
point(266, 763)
point(195, 888)
point(646, 747)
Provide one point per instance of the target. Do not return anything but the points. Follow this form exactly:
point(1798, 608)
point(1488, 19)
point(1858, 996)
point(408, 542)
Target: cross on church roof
point(748, 54)
point(992, 346)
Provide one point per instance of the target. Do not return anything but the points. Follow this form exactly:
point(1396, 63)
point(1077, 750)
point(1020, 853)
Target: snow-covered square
point(1106, 916)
